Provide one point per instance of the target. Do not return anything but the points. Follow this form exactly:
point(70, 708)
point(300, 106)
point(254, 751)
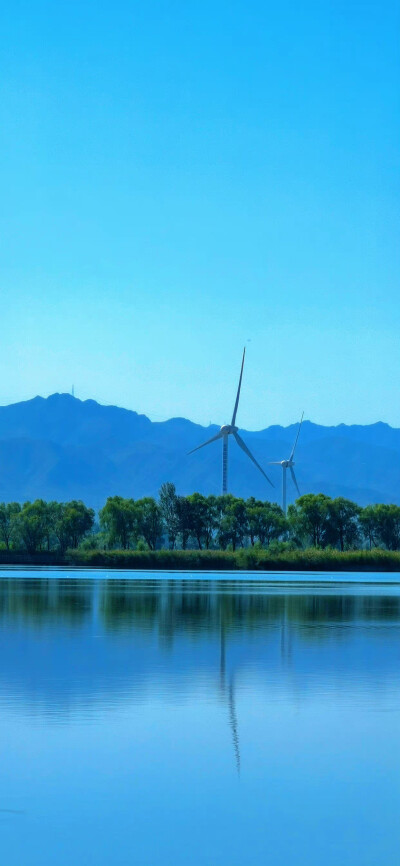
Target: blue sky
point(179, 178)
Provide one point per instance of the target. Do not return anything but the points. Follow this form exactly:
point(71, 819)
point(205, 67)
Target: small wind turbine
point(231, 430)
point(288, 464)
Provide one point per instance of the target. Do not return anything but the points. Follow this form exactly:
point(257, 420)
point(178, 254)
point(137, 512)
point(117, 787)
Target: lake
point(174, 719)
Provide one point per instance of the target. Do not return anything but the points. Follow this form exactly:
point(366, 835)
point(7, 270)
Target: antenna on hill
point(73, 390)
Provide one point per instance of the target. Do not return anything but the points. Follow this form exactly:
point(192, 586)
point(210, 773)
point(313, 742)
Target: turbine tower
point(288, 464)
point(231, 430)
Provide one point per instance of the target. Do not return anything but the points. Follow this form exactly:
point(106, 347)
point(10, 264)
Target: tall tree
point(308, 518)
point(119, 518)
point(369, 525)
point(388, 525)
point(31, 524)
point(150, 522)
point(343, 526)
point(185, 520)
point(169, 510)
point(8, 513)
point(199, 517)
point(210, 522)
point(233, 526)
point(79, 520)
point(266, 521)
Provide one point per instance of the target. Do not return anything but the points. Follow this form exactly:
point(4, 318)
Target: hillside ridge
point(61, 447)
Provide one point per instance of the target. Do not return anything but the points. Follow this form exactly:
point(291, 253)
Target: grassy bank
point(250, 559)
point(246, 559)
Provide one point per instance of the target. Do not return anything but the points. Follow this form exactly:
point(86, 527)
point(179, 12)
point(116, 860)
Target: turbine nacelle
point(226, 429)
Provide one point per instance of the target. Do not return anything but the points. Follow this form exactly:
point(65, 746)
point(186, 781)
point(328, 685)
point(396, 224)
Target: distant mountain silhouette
point(63, 448)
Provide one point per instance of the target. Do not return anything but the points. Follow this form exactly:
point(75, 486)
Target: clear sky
point(179, 178)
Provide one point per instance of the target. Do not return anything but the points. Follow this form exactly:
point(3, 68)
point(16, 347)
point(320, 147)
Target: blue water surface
point(174, 719)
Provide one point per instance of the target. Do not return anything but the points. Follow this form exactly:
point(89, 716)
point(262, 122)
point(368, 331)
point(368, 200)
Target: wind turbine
point(231, 430)
point(288, 464)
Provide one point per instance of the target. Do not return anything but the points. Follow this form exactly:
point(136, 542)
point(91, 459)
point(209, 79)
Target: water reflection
point(248, 723)
point(44, 601)
point(108, 640)
point(196, 607)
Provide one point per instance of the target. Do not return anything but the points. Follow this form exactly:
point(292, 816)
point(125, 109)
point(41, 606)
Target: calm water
point(196, 721)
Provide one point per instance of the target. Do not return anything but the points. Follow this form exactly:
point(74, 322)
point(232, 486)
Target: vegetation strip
point(248, 559)
point(203, 533)
point(244, 559)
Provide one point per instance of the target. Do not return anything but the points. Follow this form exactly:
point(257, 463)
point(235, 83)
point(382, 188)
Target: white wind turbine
point(288, 464)
point(231, 430)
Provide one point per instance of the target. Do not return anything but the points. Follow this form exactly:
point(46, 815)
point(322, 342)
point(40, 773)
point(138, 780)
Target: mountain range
point(62, 448)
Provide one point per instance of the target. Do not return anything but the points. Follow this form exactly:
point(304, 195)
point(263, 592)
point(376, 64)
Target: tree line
point(198, 522)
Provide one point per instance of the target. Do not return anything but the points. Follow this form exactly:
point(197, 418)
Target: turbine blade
point(213, 438)
point(295, 442)
point(294, 480)
point(244, 448)
point(238, 390)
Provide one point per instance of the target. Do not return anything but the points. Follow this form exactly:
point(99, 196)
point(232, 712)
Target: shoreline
point(247, 559)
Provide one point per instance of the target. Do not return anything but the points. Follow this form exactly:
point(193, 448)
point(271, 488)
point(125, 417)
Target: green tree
point(308, 518)
point(79, 520)
point(70, 522)
point(388, 525)
point(149, 521)
point(59, 525)
point(369, 525)
point(266, 521)
point(119, 518)
point(8, 513)
point(210, 520)
point(234, 526)
point(51, 536)
point(198, 517)
point(252, 505)
point(184, 512)
point(31, 524)
point(343, 527)
point(169, 510)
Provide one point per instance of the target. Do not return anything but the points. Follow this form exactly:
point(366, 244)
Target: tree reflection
point(175, 608)
point(193, 608)
point(41, 601)
point(69, 642)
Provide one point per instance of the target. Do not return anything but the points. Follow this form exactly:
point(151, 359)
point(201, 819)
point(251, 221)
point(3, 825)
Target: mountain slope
point(62, 447)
